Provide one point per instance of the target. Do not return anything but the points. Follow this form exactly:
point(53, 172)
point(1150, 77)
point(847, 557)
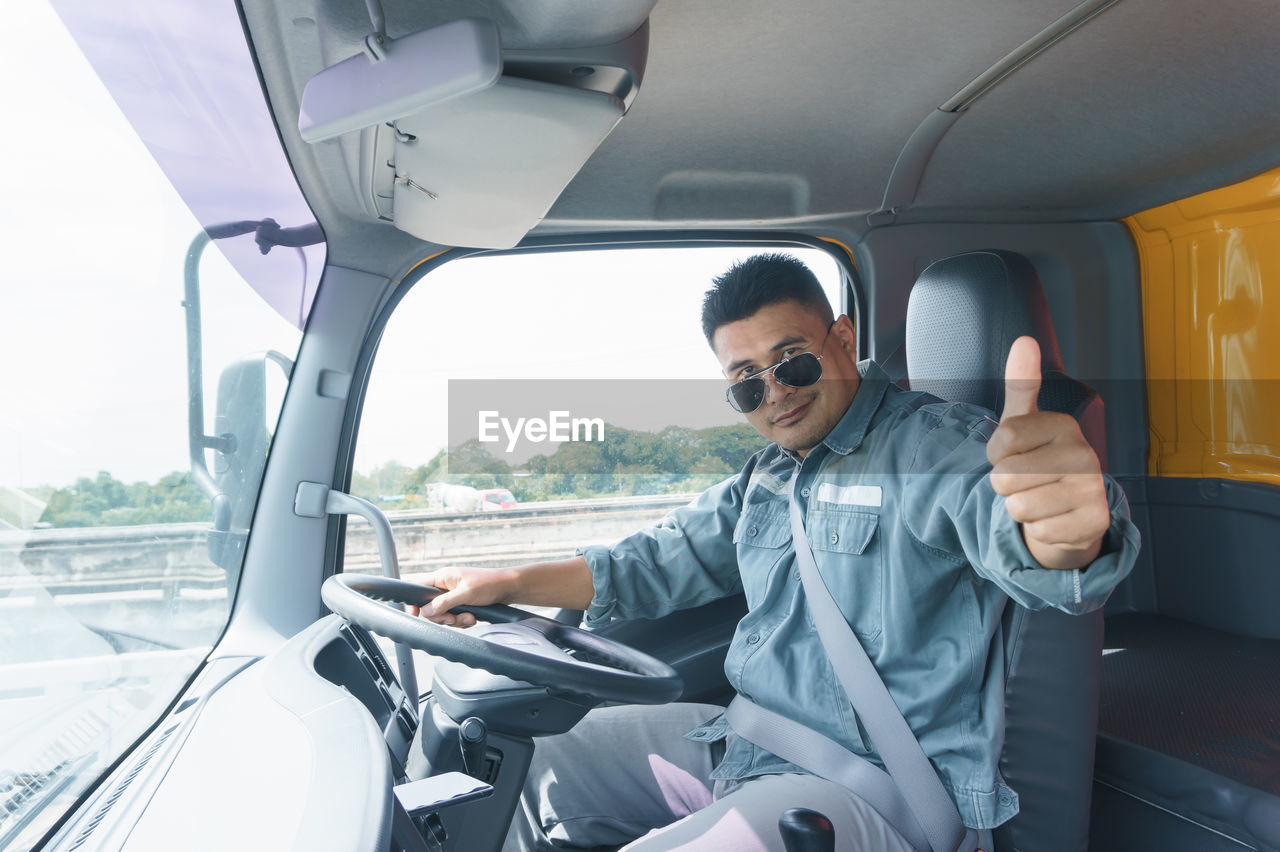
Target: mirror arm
point(283, 361)
point(221, 512)
point(267, 234)
point(196, 439)
point(375, 44)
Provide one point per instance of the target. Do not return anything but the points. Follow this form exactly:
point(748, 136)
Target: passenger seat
point(1188, 742)
point(963, 315)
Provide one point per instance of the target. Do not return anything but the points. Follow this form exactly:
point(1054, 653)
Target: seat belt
point(826, 758)
point(931, 814)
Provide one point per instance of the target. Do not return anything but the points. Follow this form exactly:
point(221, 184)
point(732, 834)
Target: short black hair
point(757, 282)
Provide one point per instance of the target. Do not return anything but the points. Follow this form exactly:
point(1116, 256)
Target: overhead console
point(462, 134)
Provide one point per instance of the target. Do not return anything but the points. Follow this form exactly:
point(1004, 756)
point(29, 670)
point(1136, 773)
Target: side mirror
point(240, 427)
point(240, 424)
point(240, 440)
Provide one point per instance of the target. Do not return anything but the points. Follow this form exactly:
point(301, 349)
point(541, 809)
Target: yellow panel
point(1211, 320)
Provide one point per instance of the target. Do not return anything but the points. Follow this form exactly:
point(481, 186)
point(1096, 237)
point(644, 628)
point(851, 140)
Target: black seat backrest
point(964, 314)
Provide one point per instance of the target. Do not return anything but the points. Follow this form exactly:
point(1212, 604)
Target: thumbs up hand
point(1046, 471)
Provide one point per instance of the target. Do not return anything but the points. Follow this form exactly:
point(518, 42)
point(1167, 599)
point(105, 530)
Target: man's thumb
point(1021, 378)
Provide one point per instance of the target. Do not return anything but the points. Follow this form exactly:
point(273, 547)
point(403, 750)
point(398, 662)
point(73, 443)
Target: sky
point(93, 236)
point(92, 346)
point(609, 334)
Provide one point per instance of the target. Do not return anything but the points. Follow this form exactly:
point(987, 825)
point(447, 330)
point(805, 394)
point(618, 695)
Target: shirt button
point(751, 531)
point(753, 638)
point(804, 492)
point(797, 575)
point(1006, 799)
point(834, 538)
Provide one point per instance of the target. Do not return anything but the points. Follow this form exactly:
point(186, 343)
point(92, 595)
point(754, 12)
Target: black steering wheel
point(517, 644)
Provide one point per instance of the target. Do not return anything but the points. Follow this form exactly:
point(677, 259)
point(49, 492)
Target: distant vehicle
point(443, 497)
point(497, 499)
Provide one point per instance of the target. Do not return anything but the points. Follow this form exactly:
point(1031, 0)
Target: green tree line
point(105, 501)
point(627, 462)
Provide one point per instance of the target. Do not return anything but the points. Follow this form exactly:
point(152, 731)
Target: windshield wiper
point(24, 794)
point(114, 638)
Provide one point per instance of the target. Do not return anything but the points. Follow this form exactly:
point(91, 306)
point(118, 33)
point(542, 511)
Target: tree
point(627, 462)
point(105, 501)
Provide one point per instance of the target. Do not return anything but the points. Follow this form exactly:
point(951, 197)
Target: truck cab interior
point(1103, 175)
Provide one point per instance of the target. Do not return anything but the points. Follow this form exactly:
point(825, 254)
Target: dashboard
point(298, 750)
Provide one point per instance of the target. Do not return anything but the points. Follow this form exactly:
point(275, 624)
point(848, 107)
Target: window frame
point(852, 296)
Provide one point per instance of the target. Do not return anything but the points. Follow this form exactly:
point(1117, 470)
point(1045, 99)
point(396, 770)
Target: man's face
point(794, 418)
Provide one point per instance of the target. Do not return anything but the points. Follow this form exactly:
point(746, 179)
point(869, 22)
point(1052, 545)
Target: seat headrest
point(964, 313)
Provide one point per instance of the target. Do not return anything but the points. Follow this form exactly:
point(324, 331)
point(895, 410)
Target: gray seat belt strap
point(892, 737)
point(827, 759)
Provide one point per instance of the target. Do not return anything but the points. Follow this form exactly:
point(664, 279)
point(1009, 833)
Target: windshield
point(136, 407)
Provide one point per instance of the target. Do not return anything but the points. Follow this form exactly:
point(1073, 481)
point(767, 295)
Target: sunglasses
point(798, 371)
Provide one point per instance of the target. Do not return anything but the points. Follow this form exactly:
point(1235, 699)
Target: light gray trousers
point(627, 772)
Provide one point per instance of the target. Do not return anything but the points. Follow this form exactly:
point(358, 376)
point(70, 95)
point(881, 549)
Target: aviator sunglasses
point(799, 371)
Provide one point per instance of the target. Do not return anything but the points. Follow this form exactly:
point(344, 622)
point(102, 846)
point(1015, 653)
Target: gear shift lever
point(472, 735)
point(804, 830)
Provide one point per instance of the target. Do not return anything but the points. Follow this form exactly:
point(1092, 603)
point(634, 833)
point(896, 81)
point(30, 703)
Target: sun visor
point(411, 73)
point(482, 170)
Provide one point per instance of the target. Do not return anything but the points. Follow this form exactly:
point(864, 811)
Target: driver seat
point(963, 315)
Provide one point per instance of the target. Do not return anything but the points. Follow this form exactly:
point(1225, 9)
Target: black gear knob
point(804, 830)
point(472, 736)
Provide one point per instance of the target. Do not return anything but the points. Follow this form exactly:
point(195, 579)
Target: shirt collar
point(848, 433)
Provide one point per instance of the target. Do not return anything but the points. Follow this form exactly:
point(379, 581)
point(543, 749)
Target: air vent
point(345, 632)
point(120, 788)
point(374, 652)
point(408, 722)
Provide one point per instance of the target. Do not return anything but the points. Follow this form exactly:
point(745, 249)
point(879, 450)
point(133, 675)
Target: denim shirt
point(917, 550)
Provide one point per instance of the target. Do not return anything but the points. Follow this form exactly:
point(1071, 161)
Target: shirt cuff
point(605, 599)
point(1074, 591)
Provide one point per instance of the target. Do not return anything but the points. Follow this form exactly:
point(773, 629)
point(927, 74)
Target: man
point(924, 517)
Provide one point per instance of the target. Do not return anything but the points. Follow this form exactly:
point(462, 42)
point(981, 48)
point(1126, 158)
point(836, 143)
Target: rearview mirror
point(415, 72)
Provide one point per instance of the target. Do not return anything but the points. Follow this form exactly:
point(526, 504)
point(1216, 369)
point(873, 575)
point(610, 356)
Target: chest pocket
point(848, 552)
point(762, 536)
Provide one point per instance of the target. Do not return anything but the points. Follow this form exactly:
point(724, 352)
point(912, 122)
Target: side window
point(524, 405)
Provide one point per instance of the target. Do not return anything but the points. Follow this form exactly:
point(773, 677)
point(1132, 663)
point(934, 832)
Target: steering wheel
point(517, 644)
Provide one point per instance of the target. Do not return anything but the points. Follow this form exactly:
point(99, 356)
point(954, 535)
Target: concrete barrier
point(172, 559)
point(530, 532)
